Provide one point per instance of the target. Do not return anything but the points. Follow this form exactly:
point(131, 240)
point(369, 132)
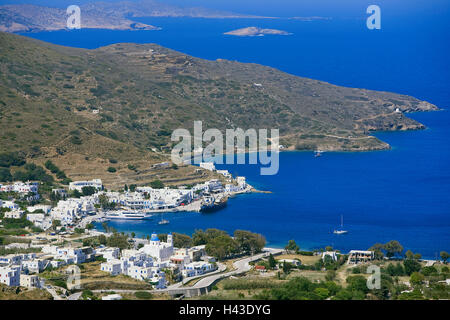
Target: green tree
point(322, 293)
point(272, 262)
point(157, 184)
point(409, 254)
point(79, 230)
point(5, 175)
point(416, 278)
point(331, 275)
point(221, 247)
point(87, 191)
point(357, 283)
point(411, 266)
point(249, 242)
point(292, 247)
point(392, 248)
point(102, 239)
point(181, 240)
point(287, 267)
point(118, 240)
point(444, 256)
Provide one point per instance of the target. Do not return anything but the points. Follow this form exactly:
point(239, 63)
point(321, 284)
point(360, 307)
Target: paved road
point(241, 266)
point(53, 293)
point(75, 296)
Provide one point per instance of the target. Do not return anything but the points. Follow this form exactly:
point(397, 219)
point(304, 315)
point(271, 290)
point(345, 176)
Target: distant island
point(100, 15)
point(256, 32)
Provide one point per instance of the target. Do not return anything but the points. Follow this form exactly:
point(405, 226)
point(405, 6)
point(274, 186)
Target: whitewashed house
point(208, 166)
point(29, 281)
point(161, 251)
point(10, 204)
point(78, 185)
point(114, 267)
point(10, 276)
point(45, 208)
point(14, 214)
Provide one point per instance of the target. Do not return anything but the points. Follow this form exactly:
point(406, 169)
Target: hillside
point(49, 93)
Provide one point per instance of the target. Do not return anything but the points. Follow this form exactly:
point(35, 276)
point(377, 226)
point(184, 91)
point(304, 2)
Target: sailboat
point(163, 221)
point(341, 230)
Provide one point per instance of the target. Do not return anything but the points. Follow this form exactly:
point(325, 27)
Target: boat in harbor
point(341, 230)
point(317, 153)
point(211, 204)
point(163, 221)
point(127, 215)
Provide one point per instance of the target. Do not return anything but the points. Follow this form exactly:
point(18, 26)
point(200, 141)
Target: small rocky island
point(256, 32)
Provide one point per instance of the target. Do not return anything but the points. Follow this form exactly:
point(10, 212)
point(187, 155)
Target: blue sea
point(401, 194)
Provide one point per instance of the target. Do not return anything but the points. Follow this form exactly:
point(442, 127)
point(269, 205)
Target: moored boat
point(211, 204)
point(127, 215)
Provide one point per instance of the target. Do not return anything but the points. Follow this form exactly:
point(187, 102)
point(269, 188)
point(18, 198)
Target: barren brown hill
point(82, 108)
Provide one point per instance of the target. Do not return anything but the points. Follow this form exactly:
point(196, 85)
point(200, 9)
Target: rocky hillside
point(122, 102)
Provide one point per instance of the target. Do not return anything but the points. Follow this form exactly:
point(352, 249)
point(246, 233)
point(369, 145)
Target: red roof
point(260, 268)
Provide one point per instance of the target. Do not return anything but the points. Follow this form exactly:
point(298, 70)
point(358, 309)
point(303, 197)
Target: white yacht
point(127, 215)
point(341, 230)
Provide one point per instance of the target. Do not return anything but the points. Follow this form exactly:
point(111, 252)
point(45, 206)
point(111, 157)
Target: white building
point(71, 255)
point(11, 259)
point(181, 258)
point(113, 266)
point(161, 251)
point(45, 208)
point(78, 185)
point(109, 253)
point(332, 254)
point(10, 204)
point(208, 166)
point(40, 220)
point(294, 262)
point(196, 268)
point(29, 281)
point(21, 187)
point(35, 265)
point(149, 198)
point(10, 276)
point(140, 273)
point(71, 209)
point(359, 256)
point(225, 173)
point(241, 181)
point(15, 214)
point(61, 192)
